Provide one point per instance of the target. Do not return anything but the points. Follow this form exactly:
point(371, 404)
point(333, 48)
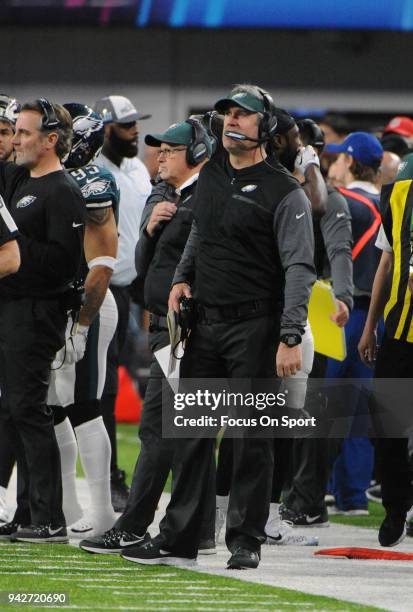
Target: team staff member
point(48, 208)
point(182, 151)
point(391, 296)
point(303, 160)
point(119, 156)
point(252, 277)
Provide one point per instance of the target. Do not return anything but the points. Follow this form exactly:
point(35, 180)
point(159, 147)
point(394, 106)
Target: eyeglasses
point(170, 152)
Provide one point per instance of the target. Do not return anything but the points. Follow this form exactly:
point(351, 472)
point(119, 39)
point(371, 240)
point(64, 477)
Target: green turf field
point(104, 582)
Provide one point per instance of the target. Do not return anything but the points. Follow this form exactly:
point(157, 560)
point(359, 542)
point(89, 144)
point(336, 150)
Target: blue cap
point(363, 147)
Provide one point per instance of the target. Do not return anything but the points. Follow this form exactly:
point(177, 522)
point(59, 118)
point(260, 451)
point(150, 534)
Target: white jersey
point(135, 187)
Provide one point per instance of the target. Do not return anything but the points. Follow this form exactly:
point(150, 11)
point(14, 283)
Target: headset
point(268, 123)
point(49, 117)
point(312, 133)
point(200, 147)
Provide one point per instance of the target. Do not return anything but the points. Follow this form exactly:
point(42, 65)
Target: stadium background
point(316, 55)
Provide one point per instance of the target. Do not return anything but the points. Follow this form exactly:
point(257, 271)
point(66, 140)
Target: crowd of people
point(236, 214)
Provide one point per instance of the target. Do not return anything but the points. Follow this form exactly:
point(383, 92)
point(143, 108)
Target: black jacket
point(252, 239)
point(156, 257)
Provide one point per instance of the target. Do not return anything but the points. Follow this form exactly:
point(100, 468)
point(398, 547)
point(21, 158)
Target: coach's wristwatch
point(290, 339)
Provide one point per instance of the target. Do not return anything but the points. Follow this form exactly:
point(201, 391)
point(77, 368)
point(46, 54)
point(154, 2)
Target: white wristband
point(105, 260)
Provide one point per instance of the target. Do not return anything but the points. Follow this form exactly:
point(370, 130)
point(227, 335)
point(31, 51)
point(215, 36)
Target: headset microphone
point(238, 136)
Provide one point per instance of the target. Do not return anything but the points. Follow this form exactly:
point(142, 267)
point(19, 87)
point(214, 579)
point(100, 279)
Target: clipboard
point(329, 339)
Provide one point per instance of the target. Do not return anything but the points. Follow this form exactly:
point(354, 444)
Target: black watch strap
point(290, 339)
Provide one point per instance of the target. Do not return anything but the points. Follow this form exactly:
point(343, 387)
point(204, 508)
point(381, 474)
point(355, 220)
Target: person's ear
point(51, 140)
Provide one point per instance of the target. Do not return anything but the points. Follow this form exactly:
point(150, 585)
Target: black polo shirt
point(49, 212)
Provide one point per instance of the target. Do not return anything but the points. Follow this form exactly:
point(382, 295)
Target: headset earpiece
point(199, 149)
point(268, 123)
point(49, 117)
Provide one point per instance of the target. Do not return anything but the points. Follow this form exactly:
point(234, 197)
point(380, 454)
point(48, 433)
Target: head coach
point(249, 264)
point(48, 209)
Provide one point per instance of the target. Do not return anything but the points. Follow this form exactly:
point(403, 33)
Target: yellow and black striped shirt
point(397, 206)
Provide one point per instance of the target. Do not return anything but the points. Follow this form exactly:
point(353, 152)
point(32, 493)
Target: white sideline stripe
point(171, 588)
point(166, 609)
point(76, 577)
point(180, 597)
point(135, 608)
point(136, 581)
point(24, 555)
point(209, 601)
point(79, 568)
point(70, 562)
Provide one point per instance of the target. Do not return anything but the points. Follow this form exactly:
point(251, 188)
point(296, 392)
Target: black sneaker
point(7, 530)
point(243, 558)
point(39, 534)
point(113, 541)
point(207, 547)
point(301, 519)
point(393, 529)
point(373, 493)
point(152, 553)
point(119, 490)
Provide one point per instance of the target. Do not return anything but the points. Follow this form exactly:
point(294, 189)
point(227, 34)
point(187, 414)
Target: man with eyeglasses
point(48, 208)
point(119, 156)
point(164, 234)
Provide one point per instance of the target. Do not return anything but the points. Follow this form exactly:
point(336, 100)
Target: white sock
point(274, 514)
point(68, 452)
point(222, 502)
point(95, 454)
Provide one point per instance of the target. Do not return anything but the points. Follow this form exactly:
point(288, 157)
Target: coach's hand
point(161, 213)
point(342, 314)
point(179, 290)
point(288, 360)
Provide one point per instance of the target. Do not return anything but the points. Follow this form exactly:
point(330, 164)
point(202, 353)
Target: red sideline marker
point(365, 553)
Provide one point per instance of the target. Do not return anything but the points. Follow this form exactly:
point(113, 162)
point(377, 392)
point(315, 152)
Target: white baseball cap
point(118, 109)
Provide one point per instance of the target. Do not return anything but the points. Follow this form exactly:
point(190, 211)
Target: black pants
point(7, 456)
point(108, 401)
point(282, 466)
point(234, 349)
point(31, 332)
point(394, 360)
point(155, 458)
